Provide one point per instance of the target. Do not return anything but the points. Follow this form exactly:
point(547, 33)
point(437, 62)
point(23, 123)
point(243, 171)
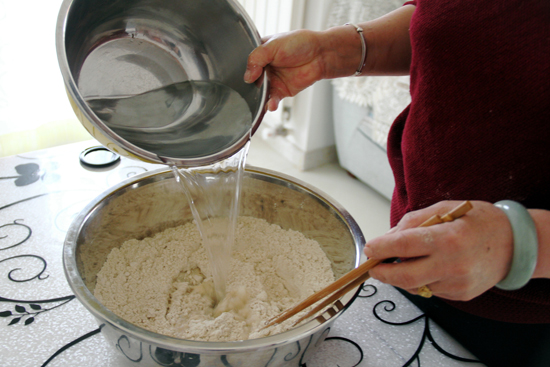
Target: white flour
point(164, 283)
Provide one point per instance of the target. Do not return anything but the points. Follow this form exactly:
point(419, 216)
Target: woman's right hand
point(293, 61)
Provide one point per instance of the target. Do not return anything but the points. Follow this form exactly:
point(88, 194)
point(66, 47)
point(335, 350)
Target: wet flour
point(164, 283)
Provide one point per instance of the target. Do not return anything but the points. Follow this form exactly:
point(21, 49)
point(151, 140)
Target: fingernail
point(367, 249)
point(273, 104)
point(247, 76)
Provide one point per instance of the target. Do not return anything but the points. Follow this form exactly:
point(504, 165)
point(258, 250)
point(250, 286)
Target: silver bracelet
point(363, 48)
point(526, 247)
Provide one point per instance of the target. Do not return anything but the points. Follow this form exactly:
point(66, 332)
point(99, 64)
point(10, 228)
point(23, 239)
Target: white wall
point(313, 109)
point(31, 87)
point(310, 134)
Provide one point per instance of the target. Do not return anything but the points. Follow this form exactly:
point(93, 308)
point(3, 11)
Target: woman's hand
point(293, 62)
point(458, 260)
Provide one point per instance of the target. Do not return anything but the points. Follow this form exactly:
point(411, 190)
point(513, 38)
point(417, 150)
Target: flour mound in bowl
point(164, 283)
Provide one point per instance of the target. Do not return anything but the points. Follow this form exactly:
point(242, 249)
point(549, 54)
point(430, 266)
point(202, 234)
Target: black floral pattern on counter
point(22, 201)
point(8, 242)
point(20, 313)
point(26, 311)
point(339, 339)
point(6, 238)
point(28, 173)
point(37, 276)
point(367, 290)
point(74, 342)
point(387, 306)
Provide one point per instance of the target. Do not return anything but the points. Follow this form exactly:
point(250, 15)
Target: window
point(271, 16)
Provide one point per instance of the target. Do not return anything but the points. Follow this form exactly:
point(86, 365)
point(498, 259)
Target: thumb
point(257, 61)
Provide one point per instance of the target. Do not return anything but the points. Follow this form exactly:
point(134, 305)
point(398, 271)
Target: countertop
point(44, 325)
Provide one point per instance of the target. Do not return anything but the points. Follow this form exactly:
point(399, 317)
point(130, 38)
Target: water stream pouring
point(162, 81)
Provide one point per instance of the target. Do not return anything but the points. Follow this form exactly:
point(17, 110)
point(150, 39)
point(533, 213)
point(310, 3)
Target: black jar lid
point(98, 157)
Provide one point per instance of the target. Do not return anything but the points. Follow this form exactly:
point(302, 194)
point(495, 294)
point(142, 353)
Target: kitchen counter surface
point(42, 324)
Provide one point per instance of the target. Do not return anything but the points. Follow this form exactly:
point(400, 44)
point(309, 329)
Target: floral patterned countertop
point(42, 324)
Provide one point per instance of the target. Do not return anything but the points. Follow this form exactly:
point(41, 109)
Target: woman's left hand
point(457, 260)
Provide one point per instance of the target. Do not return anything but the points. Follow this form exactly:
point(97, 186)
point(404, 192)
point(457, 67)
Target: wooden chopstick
point(335, 296)
point(356, 276)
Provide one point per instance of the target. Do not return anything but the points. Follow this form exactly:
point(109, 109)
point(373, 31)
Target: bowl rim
point(105, 316)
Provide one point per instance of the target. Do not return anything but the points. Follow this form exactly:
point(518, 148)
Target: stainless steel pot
point(151, 202)
point(161, 80)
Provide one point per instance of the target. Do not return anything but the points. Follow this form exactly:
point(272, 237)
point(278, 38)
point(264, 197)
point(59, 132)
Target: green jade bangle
point(524, 259)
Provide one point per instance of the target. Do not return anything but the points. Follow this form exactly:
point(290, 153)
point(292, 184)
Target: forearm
point(542, 222)
point(388, 46)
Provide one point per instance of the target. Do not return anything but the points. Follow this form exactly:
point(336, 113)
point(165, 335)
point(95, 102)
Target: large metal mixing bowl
point(151, 202)
point(161, 80)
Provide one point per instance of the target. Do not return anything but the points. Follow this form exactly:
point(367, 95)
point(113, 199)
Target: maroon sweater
point(478, 126)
